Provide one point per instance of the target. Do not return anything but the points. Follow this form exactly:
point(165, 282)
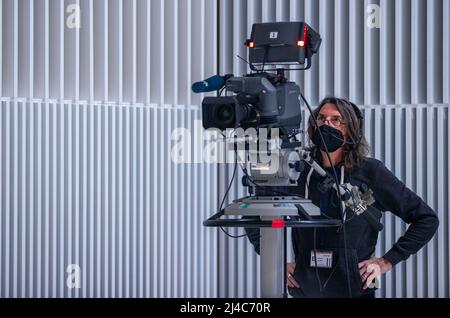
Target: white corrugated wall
point(86, 117)
point(85, 121)
point(399, 74)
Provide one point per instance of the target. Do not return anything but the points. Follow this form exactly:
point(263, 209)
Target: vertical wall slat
point(268, 10)
point(120, 204)
point(126, 202)
point(90, 198)
point(148, 63)
point(402, 52)
point(430, 195)
point(23, 198)
point(434, 51)
point(14, 206)
point(409, 282)
point(99, 198)
point(418, 57)
point(341, 56)
point(2, 160)
point(46, 50)
point(133, 204)
point(7, 203)
point(388, 218)
point(134, 55)
point(399, 163)
point(387, 52)
point(61, 27)
point(113, 195)
point(371, 58)
point(446, 54)
point(31, 190)
point(161, 51)
point(40, 193)
point(420, 190)
point(5, 165)
point(120, 50)
point(15, 62)
point(105, 207)
point(140, 172)
point(239, 33)
point(54, 199)
point(296, 13)
point(84, 230)
point(180, 257)
point(311, 92)
point(325, 61)
point(147, 138)
point(441, 253)
point(91, 52)
point(69, 209)
point(155, 199)
point(46, 199)
point(356, 49)
point(106, 51)
point(1, 48)
point(161, 206)
point(446, 221)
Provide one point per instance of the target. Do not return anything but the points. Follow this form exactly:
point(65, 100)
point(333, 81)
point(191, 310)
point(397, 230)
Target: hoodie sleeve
point(394, 196)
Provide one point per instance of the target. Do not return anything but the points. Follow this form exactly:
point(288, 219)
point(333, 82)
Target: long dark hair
point(357, 150)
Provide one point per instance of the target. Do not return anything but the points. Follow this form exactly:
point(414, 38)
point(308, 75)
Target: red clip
point(278, 224)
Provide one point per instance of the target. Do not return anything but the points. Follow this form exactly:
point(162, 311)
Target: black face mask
point(333, 138)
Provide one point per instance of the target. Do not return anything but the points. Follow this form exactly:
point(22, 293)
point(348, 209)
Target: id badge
point(324, 259)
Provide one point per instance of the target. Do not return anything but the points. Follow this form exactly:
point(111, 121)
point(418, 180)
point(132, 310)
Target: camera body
point(262, 99)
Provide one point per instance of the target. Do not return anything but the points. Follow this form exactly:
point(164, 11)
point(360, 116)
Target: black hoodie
point(391, 195)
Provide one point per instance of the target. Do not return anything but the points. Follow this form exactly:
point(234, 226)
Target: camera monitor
point(282, 43)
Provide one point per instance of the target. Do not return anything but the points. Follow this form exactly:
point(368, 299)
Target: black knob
point(297, 165)
point(246, 181)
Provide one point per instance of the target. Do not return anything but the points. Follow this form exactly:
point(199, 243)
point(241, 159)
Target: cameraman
point(322, 267)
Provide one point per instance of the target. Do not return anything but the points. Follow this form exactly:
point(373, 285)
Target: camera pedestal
point(276, 214)
point(272, 268)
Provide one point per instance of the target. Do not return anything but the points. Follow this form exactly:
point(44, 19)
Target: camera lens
point(225, 113)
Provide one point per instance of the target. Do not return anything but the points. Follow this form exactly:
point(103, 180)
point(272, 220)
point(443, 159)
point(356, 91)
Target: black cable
point(338, 192)
point(266, 50)
point(315, 261)
point(232, 236)
point(229, 186)
point(225, 196)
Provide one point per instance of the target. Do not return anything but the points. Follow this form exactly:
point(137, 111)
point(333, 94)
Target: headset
point(360, 117)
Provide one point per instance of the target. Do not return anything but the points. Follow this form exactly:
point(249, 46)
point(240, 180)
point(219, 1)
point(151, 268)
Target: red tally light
point(251, 44)
point(301, 43)
point(278, 224)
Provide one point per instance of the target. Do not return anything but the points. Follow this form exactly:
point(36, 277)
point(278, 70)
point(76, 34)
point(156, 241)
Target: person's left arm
point(394, 196)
